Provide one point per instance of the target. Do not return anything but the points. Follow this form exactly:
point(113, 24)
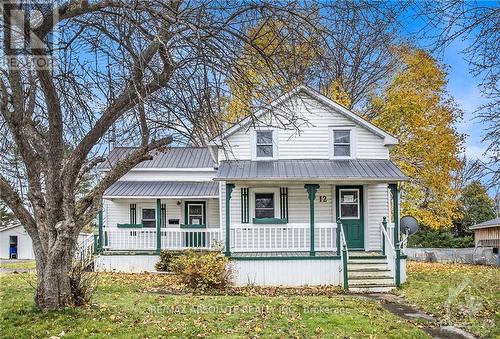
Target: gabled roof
point(173, 158)
point(490, 223)
point(315, 169)
point(388, 138)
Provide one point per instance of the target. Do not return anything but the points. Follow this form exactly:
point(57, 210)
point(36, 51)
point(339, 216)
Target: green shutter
point(284, 203)
point(245, 215)
point(163, 215)
point(133, 214)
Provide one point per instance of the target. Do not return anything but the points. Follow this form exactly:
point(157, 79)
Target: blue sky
point(465, 90)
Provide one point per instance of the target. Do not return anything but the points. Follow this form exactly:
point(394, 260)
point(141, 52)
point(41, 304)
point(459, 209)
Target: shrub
point(166, 257)
point(82, 283)
point(203, 270)
point(439, 238)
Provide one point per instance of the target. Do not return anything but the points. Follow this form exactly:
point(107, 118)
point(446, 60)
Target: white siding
point(286, 272)
point(298, 203)
point(117, 211)
point(311, 140)
point(377, 207)
point(138, 175)
point(24, 244)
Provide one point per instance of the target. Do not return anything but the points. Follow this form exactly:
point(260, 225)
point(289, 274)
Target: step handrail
point(344, 254)
point(386, 235)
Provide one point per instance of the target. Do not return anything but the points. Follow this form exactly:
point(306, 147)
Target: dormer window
point(264, 144)
point(342, 143)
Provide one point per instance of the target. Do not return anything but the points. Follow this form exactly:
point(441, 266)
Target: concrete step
point(371, 281)
point(366, 257)
point(366, 260)
point(369, 273)
point(372, 288)
point(368, 267)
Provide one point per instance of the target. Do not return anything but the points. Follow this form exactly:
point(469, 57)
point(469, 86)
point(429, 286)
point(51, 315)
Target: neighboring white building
point(286, 205)
point(15, 243)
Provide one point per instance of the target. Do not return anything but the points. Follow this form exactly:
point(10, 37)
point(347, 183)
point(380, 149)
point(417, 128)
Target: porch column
point(395, 202)
point(311, 191)
point(101, 232)
point(158, 226)
point(229, 190)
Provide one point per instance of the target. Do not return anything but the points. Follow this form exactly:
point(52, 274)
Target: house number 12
point(322, 198)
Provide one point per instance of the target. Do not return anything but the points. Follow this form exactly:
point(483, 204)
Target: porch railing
point(388, 247)
point(287, 237)
point(141, 239)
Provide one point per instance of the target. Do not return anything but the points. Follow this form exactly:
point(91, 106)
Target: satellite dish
point(409, 225)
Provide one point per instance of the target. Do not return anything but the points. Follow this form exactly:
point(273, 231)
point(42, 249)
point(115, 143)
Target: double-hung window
point(195, 213)
point(264, 205)
point(149, 217)
point(342, 143)
point(264, 144)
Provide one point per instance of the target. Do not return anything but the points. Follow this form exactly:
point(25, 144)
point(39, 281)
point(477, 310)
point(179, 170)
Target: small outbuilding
point(15, 243)
point(487, 234)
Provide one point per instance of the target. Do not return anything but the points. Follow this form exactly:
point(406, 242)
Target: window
point(264, 205)
point(195, 212)
point(342, 143)
point(149, 217)
point(264, 144)
point(349, 204)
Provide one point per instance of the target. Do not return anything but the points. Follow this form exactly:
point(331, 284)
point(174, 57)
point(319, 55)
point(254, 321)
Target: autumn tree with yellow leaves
point(416, 108)
point(274, 60)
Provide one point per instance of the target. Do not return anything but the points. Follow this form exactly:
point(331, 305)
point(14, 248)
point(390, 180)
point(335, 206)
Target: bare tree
point(147, 70)
point(478, 24)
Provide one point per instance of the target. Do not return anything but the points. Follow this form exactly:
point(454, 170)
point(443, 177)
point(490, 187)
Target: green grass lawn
point(125, 306)
point(19, 265)
point(463, 295)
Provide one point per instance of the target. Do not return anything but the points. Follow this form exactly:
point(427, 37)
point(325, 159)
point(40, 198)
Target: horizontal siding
point(377, 205)
point(310, 139)
point(298, 203)
point(138, 175)
point(117, 211)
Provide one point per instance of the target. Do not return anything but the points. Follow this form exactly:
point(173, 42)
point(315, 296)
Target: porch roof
point(352, 169)
point(162, 189)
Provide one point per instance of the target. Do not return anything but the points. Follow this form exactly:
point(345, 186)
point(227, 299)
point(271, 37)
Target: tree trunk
point(53, 282)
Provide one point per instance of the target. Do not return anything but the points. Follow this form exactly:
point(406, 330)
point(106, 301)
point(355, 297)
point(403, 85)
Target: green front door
point(350, 210)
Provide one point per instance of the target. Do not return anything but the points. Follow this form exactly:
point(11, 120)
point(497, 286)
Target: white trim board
point(388, 138)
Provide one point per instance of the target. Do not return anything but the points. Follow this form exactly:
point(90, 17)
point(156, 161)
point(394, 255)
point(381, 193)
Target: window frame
point(142, 217)
point(352, 141)
point(357, 203)
point(269, 190)
point(264, 208)
point(187, 215)
point(274, 144)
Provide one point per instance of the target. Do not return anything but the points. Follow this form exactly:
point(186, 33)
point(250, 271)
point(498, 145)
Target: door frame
point(361, 206)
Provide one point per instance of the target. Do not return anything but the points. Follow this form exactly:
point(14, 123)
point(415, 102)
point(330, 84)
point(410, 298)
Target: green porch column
point(311, 191)
point(101, 232)
point(229, 190)
point(338, 235)
point(395, 202)
point(158, 226)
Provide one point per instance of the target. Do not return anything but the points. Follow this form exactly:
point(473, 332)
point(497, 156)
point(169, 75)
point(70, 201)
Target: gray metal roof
point(158, 189)
point(490, 223)
point(175, 157)
point(356, 169)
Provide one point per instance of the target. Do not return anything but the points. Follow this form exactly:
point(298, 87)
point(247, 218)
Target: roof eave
point(330, 179)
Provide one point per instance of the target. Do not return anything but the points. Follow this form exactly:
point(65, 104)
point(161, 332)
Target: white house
point(310, 205)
